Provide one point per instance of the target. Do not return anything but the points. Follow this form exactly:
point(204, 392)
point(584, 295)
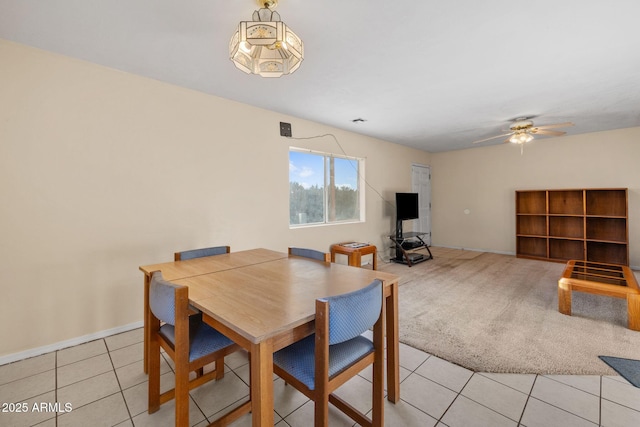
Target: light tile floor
point(103, 385)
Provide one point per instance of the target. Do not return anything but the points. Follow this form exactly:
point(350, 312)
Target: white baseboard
point(9, 358)
point(477, 250)
point(632, 267)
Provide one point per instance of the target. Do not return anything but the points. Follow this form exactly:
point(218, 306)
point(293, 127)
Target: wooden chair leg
point(153, 367)
point(154, 383)
point(182, 395)
point(220, 368)
point(321, 416)
point(377, 418)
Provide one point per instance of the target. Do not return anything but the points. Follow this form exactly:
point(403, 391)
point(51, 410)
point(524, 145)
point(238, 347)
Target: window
point(324, 188)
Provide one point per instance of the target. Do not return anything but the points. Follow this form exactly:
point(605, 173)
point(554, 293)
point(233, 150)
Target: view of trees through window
point(323, 188)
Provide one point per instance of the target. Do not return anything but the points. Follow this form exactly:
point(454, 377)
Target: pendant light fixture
point(266, 46)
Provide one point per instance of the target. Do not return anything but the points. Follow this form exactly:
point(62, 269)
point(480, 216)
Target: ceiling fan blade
point(547, 132)
point(557, 125)
point(493, 137)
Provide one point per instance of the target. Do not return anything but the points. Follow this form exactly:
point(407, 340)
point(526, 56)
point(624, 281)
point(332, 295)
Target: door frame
point(427, 224)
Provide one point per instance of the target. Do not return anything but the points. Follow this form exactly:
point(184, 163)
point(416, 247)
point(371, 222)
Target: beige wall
point(484, 180)
point(103, 171)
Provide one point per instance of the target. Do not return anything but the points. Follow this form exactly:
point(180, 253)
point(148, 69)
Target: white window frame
point(361, 188)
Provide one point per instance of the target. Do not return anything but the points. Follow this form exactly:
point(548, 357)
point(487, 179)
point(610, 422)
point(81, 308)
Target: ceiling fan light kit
point(521, 138)
point(522, 130)
point(266, 46)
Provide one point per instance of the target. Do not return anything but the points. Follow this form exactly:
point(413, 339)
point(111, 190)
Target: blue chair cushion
point(199, 253)
point(308, 253)
point(162, 298)
point(204, 339)
point(353, 313)
point(298, 359)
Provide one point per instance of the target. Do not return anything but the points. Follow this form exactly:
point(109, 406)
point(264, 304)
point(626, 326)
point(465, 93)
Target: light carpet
point(498, 313)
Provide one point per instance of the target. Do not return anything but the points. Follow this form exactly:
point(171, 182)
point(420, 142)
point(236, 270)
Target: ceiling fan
point(523, 130)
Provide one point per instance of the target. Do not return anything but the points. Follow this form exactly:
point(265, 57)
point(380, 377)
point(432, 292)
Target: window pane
point(323, 188)
point(343, 197)
point(306, 188)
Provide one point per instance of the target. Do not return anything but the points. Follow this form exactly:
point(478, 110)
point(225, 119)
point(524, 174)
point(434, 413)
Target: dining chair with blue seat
point(310, 253)
point(191, 344)
point(199, 253)
point(320, 363)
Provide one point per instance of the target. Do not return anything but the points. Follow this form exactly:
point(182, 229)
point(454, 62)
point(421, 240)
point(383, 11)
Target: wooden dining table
point(264, 300)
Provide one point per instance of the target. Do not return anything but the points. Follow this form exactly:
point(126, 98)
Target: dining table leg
point(393, 344)
point(262, 383)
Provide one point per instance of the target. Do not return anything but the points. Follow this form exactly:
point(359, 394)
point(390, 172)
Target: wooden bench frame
point(598, 278)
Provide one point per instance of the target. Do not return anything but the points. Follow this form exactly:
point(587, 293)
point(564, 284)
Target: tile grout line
point(528, 398)
point(619, 403)
point(191, 399)
point(519, 420)
point(407, 377)
point(600, 404)
point(506, 385)
point(572, 386)
point(583, 391)
point(456, 398)
point(126, 405)
point(563, 410)
point(488, 407)
point(416, 373)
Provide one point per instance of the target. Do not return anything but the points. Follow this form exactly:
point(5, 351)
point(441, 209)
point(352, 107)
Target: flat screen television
point(406, 206)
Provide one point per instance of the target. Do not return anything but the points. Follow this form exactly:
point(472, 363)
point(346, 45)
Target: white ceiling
point(435, 75)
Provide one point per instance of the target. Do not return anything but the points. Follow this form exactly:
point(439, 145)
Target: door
point(421, 184)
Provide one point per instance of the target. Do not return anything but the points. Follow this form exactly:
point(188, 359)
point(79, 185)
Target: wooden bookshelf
point(582, 224)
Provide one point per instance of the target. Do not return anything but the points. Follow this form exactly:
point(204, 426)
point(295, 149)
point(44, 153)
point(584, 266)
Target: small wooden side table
point(354, 252)
point(598, 278)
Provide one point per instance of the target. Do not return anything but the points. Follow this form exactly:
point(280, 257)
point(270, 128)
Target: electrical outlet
point(285, 129)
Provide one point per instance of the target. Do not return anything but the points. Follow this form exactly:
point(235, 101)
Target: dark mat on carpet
point(629, 369)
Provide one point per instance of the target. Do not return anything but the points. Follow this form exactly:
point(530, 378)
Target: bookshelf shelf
point(581, 224)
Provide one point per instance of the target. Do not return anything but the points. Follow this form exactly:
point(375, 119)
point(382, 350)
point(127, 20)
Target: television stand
point(406, 245)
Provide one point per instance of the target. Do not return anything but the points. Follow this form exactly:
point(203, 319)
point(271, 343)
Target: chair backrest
point(353, 313)
point(199, 253)
point(310, 253)
point(162, 298)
